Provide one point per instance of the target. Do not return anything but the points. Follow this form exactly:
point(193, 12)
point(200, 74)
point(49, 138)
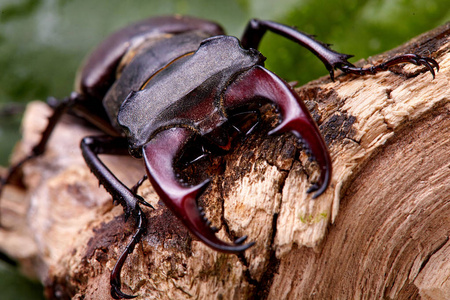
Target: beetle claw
point(180, 199)
point(314, 187)
point(429, 63)
point(115, 281)
point(116, 293)
point(260, 83)
point(145, 203)
point(240, 240)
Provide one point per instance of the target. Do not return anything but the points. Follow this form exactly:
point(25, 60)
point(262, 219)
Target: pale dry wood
point(380, 231)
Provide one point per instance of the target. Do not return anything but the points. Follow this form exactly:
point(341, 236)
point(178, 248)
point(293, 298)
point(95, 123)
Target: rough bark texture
point(380, 231)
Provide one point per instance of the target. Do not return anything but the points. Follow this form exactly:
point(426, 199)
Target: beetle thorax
point(186, 92)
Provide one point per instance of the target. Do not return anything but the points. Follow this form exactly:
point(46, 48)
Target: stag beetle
point(155, 85)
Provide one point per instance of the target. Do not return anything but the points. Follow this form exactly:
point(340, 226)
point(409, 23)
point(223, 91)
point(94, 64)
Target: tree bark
point(381, 230)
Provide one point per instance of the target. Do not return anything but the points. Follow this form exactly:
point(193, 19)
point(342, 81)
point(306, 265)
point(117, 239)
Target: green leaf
point(14, 286)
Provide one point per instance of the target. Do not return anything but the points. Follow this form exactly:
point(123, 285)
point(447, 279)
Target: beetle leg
point(159, 154)
point(259, 83)
point(256, 29)
point(58, 111)
point(429, 63)
point(115, 281)
point(76, 103)
point(91, 147)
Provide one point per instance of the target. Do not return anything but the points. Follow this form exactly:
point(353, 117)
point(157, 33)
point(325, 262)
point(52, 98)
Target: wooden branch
point(380, 231)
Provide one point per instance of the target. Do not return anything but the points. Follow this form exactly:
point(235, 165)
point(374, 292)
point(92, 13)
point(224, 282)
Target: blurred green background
point(42, 43)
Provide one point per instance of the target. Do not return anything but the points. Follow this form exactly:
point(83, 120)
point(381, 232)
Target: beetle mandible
point(155, 85)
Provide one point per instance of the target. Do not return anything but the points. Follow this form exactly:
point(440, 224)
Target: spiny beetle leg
point(91, 147)
point(332, 60)
point(259, 83)
point(159, 155)
point(256, 29)
point(429, 63)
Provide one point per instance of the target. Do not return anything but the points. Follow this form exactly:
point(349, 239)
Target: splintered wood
point(381, 230)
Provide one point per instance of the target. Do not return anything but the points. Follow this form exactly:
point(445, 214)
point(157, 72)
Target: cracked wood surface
point(380, 231)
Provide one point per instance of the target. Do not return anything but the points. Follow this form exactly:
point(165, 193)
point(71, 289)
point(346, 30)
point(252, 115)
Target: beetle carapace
point(154, 85)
